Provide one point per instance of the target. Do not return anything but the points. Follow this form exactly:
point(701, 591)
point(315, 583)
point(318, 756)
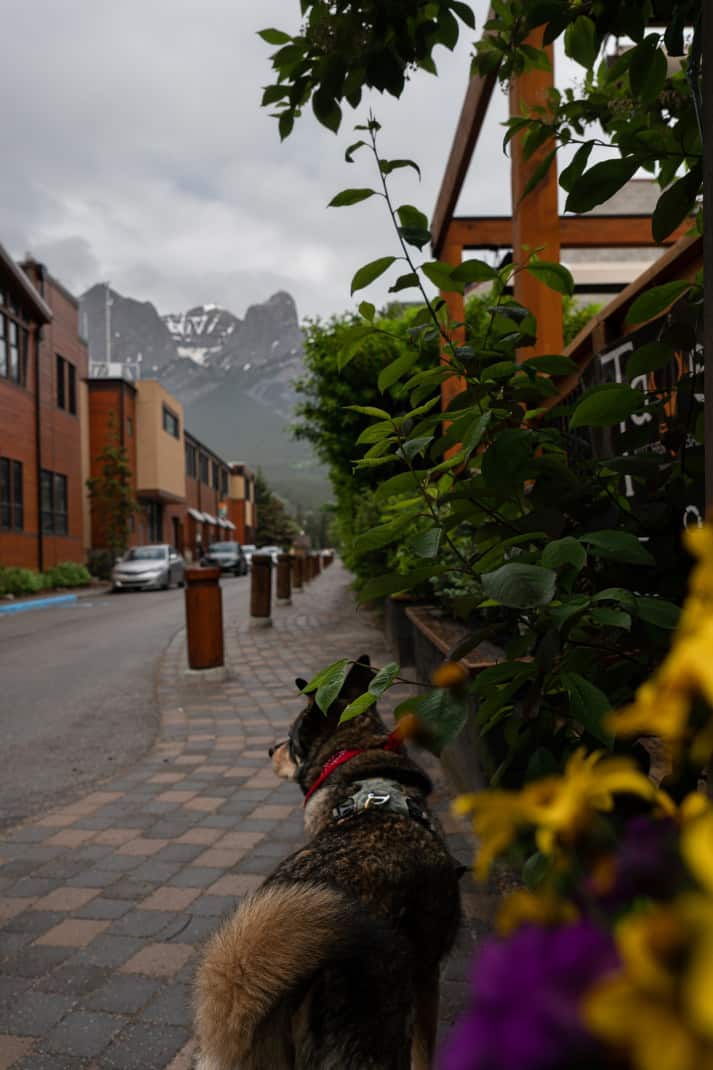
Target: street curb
point(38, 603)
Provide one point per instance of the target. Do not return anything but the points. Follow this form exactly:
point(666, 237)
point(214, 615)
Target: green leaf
point(326, 110)
point(274, 37)
point(383, 535)
point(375, 433)
point(649, 358)
point(369, 272)
point(552, 364)
point(414, 446)
point(617, 594)
point(539, 173)
point(617, 546)
point(520, 586)
point(576, 167)
point(415, 236)
point(658, 611)
point(393, 371)
point(404, 282)
point(370, 410)
point(367, 310)
point(464, 12)
point(359, 705)
point(588, 705)
point(387, 166)
point(656, 300)
point(473, 435)
point(328, 673)
point(505, 461)
point(605, 405)
point(398, 484)
point(351, 196)
point(566, 551)
point(384, 679)
point(412, 217)
point(354, 342)
point(604, 617)
point(600, 183)
point(554, 275)
point(580, 41)
point(427, 543)
point(392, 584)
point(349, 154)
point(474, 271)
point(676, 203)
point(441, 275)
point(442, 711)
point(647, 71)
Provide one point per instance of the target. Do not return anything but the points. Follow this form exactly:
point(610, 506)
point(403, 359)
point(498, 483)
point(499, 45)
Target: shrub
point(68, 574)
point(21, 581)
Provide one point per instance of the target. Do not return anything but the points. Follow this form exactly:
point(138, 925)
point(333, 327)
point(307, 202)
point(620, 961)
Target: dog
point(333, 964)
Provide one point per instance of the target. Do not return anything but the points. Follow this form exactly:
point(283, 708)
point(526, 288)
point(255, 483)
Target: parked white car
point(145, 568)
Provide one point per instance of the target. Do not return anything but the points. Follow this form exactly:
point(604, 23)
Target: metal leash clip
point(373, 799)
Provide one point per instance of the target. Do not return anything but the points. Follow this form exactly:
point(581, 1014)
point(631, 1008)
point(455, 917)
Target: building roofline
point(40, 306)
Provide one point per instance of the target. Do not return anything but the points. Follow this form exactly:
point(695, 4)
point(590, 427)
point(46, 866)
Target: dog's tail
point(276, 940)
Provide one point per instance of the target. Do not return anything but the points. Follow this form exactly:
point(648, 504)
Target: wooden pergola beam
point(576, 232)
point(473, 112)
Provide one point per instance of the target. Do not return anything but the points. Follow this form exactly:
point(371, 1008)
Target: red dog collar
point(393, 743)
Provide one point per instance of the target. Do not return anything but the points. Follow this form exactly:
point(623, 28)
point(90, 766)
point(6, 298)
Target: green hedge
point(17, 581)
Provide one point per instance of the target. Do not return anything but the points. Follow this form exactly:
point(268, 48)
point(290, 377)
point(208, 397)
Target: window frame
point(171, 423)
point(71, 388)
point(60, 384)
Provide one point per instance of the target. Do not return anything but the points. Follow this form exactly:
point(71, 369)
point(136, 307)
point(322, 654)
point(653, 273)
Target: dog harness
point(382, 794)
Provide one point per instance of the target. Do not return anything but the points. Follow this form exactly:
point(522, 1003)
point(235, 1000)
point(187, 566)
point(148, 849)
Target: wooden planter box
point(433, 637)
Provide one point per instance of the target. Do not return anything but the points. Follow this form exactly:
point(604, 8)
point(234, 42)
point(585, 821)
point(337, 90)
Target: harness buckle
point(373, 799)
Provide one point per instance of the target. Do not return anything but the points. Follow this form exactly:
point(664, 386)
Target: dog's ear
point(358, 679)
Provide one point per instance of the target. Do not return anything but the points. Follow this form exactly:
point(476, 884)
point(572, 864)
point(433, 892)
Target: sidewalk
point(104, 903)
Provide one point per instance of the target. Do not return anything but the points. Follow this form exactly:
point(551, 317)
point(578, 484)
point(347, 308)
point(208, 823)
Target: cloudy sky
point(135, 150)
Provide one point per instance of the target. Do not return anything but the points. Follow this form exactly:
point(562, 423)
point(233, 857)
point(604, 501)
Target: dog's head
point(312, 727)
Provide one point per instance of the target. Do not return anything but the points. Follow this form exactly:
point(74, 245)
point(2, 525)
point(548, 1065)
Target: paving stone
point(170, 899)
point(142, 923)
point(34, 1013)
point(194, 877)
point(48, 1060)
point(35, 961)
point(84, 1034)
point(73, 932)
point(65, 898)
point(122, 994)
point(144, 1046)
point(171, 1006)
point(12, 1049)
point(103, 908)
point(32, 921)
point(108, 950)
point(75, 978)
point(158, 960)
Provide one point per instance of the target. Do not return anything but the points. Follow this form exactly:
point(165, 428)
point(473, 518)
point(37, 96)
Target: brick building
point(43, 432)
point(185, 490)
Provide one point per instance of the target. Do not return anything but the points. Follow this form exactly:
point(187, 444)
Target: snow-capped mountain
point(234, 376)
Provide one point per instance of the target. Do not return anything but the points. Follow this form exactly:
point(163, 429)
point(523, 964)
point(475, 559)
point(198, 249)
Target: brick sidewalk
point(104, 903)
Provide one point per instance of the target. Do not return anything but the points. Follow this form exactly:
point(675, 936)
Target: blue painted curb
point(38, 603)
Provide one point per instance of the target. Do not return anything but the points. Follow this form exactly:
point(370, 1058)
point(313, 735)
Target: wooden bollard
point(260, 591)
point(317, 563)
point(204, 618)
point(298, 568)
point(307, 567)
point(284, 586)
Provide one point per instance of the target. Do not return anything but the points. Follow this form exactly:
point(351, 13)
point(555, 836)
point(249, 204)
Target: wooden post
point(317, 560)
point(455, 303)
point(298, 563)
point(535, 220)
point(204, 618)
point(284, 587)
point(260, 591)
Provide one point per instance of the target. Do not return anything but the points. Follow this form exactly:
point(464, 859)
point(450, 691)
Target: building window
point(216, 476)
point(3, 347)
point(191, 468)
point(171, 423)
point(204, 469)
point(61, 397)
point(12, 511)
point(53, 503)
point(224, 482)
point(13, 350)
point(154, 520)
point(129, 427)
point(72, 389)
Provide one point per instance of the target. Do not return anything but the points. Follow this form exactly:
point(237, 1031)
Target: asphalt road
point(77, 691)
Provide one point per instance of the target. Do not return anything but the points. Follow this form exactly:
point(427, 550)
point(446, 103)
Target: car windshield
point(249, 546)
point(146, 553)
point(223, 546)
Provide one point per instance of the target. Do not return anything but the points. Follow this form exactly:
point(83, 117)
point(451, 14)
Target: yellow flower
point(497, 820)
point(561, 807)
point(658, 1009)
point(522, 908)
point(697, 847)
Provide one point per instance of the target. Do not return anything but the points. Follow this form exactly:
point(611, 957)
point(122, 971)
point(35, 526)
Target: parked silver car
point(148, 568)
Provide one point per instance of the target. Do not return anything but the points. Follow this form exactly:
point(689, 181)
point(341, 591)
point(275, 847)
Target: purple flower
point(646, 863)
point(526, 990)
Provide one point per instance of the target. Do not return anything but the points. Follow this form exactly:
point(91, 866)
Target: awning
point(196, 515)
point(221, 523)
point(229, 524)
point(209, 519)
